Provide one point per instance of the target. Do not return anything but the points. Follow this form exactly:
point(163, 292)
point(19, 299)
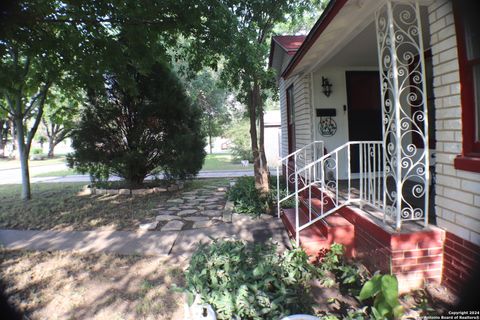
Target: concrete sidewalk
point(157, 243)
point(15, 178)
point(121, 242)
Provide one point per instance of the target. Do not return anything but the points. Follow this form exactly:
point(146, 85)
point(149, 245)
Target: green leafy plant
point(37, 151)
point(352, 314)
point(248, 200)
point(383, 289)
point(246, 197)
point(289, 203)
point(350, 276)
point(332, 258)
point(423, 304)
point(250, 281)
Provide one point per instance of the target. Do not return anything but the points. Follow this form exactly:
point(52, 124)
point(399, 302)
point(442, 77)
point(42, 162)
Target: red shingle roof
point(289, 43)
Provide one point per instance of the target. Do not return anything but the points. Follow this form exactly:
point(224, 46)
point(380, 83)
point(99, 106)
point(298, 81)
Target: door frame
point(290, 119)
point(349, 83)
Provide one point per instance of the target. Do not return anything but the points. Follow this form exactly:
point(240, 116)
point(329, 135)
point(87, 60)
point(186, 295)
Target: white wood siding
point(302, 105)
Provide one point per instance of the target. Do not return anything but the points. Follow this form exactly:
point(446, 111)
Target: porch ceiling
point(361, 51)
point(351, 20)
point(350, 38)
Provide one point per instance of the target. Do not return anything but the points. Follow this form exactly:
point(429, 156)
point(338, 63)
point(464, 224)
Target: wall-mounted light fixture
point(327, 87)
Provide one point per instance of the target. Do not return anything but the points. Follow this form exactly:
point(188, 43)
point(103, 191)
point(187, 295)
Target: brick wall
point(415, 257)
point(457, 200)
point(458, 192)
point(461, 261)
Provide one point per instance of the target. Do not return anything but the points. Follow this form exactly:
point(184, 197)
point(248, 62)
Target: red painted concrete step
point(339, 229)
point(312, 239)
point(318, 237)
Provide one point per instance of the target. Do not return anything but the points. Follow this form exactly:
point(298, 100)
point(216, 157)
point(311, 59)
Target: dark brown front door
point(290, 120)
point(364, 109)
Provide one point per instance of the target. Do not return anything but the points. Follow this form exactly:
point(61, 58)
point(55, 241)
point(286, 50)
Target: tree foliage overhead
point(301, 24)
point(73, 43)
point(250, 25)
point(132, 132)
point(206, 92)
point(61, 113)
point(70, 44)
point(241, 145)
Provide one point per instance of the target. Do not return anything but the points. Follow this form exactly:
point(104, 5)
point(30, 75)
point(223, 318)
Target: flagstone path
point(199, 208)
point(181, 223)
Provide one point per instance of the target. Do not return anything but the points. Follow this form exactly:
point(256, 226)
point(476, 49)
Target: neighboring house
point(390, 90)
point(272, 134)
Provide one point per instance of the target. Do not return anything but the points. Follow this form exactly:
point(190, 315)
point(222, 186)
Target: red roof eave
point(327, 16)
point(289, 44)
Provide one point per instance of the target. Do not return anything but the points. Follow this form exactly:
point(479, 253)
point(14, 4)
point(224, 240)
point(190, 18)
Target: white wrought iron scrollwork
point(404, 110)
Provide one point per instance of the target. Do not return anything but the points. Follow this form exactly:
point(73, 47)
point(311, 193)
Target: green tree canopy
point(249, 26)
point(60, 115)
point(74, 43)
point(134, 131)
point(206, 92)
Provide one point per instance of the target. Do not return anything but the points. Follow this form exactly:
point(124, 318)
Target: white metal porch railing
point(297, 159)
point(363, 159)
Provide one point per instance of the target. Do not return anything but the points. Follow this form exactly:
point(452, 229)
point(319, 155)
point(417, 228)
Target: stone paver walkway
point(181, 223)
point(158, 243)
point(200, 208)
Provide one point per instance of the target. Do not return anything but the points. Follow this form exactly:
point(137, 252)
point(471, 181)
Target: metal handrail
point(370, 181)
point(313, 146)
point(301, 149)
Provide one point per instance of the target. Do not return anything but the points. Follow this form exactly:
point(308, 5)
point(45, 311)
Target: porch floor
point(377, 214)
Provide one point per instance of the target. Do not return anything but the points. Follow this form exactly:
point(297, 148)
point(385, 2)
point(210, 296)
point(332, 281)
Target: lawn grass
point(56, 173)
point(213, 162)
point(15, 164)
point(223, 162)
point(63, 285)
point(63, 206)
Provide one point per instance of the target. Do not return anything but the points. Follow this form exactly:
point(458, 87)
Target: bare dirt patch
point(61, 285)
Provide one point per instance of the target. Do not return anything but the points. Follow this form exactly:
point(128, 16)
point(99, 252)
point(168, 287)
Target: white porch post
point(404, 111)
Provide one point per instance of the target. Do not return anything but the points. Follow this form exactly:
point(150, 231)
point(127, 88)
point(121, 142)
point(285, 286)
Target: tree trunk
point(210, 143)
point(210, 133)
point(2, 138)
point(14, 141)
point(261, 175)
point(23, 155)
point(24, 140)
point(51, 147)
point(263, 157)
